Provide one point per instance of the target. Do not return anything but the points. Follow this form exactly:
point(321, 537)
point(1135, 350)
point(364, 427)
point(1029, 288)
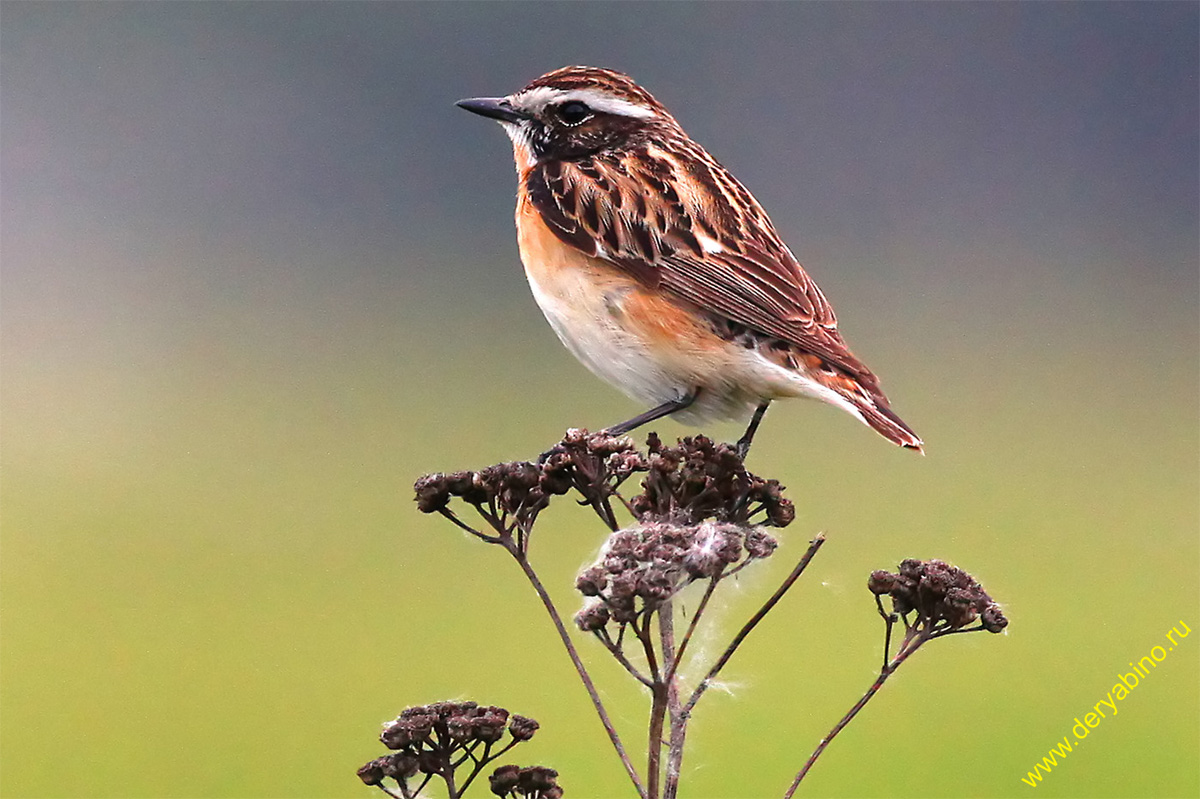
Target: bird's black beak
point(494, 108)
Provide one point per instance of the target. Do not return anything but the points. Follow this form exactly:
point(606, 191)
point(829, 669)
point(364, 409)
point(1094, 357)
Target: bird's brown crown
point(576, 112)
point(605, 81)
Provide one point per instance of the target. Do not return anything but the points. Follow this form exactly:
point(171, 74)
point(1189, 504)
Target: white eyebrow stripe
point(541, 96)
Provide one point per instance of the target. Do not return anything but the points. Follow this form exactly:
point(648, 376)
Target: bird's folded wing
point(687, 226)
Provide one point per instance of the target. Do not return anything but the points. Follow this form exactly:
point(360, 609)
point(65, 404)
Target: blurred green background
point(259, 274)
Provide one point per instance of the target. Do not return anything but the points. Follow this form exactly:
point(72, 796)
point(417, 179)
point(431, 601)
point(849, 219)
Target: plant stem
point(658, 713)
point(580, 670)
point(620, 657)
point(910, 645)
point(675, 751)
point(658, 705)
point(666, 627)
point(751, 624)
point(687, 636)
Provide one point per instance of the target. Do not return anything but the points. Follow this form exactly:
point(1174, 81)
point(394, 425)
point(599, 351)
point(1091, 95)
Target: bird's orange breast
point(587, 290)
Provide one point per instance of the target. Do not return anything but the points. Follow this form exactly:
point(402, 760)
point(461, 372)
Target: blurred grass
point(214, 582)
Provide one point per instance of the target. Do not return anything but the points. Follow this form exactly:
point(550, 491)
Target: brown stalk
point(579, 669)
point(911, 644)
point(749, 626)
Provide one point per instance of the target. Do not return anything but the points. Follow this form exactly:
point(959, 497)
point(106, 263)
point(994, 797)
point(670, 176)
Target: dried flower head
point(686, 484)
point(531, 782)
point(506, 494)
point(943, 597)
point(699, 479)
point(640, 567)
point(435, 739)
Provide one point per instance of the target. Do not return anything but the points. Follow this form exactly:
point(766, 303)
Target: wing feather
point(644, 209)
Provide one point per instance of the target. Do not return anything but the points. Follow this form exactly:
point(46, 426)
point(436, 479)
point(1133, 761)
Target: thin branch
point(687, 636)
point(752, 623)
point(488, 757)
point(628, 505)
point(911, 644)
point(619, 654)
point(679, 722)
point(654, 743)
point(658, 706)
point(449, 514)
point(581, 671)
point(944, 632)
point(643, 635)
point(392, 793)
point(889, 619)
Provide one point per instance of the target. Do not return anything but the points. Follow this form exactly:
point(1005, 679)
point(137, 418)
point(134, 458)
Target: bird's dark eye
point(573, 112)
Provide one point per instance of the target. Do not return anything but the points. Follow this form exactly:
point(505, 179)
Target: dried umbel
point(933, 599)
point(691, 482)
point(942, 597)
point(643, 566)
point(699, 479)
point(698, 516)
point(434, 740)
point(508, 495)
point(531, 782)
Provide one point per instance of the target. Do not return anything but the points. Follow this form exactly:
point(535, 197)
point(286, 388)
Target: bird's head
point(575, 112)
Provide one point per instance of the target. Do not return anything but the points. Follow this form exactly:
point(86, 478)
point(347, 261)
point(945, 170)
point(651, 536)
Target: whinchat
point(659, 270)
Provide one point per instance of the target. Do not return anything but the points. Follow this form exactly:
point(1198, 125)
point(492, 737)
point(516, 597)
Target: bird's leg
point(657, 412)
point(743, 444)
point(666, 409)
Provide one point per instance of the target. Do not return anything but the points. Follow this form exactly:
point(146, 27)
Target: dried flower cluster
point(685, 484)
point(699, 480)
point(942, 596)
point(434, 740)
point(531, 782)
point(643, 566)
point(698, 516)
point(942, 599)
point(508, 496)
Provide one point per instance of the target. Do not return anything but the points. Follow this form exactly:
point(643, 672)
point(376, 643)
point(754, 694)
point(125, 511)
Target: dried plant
point(933, 599)
point(438, 740)
point(531, 782)
point(697, 517)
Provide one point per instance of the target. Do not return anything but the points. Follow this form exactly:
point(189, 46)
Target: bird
point(660, 271)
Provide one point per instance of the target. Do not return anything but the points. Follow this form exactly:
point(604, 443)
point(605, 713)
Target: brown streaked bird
point(659, 270)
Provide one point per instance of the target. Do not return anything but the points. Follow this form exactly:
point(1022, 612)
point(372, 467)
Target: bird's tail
point(871, 406)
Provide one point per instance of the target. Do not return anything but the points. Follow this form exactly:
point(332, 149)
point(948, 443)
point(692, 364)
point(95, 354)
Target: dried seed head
point(759, 544)
point(400, 766)
point(881, 582)
point(992, 618)
point(532, 782)
point(699, 480)
point(591, 581)
point(642, 566)
point(943, 596)
point(436, 739)
point(433, 494)
point(537, 778)
point(504, 780)
point(593, 617)
point(522, 727)
point(371, 773)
